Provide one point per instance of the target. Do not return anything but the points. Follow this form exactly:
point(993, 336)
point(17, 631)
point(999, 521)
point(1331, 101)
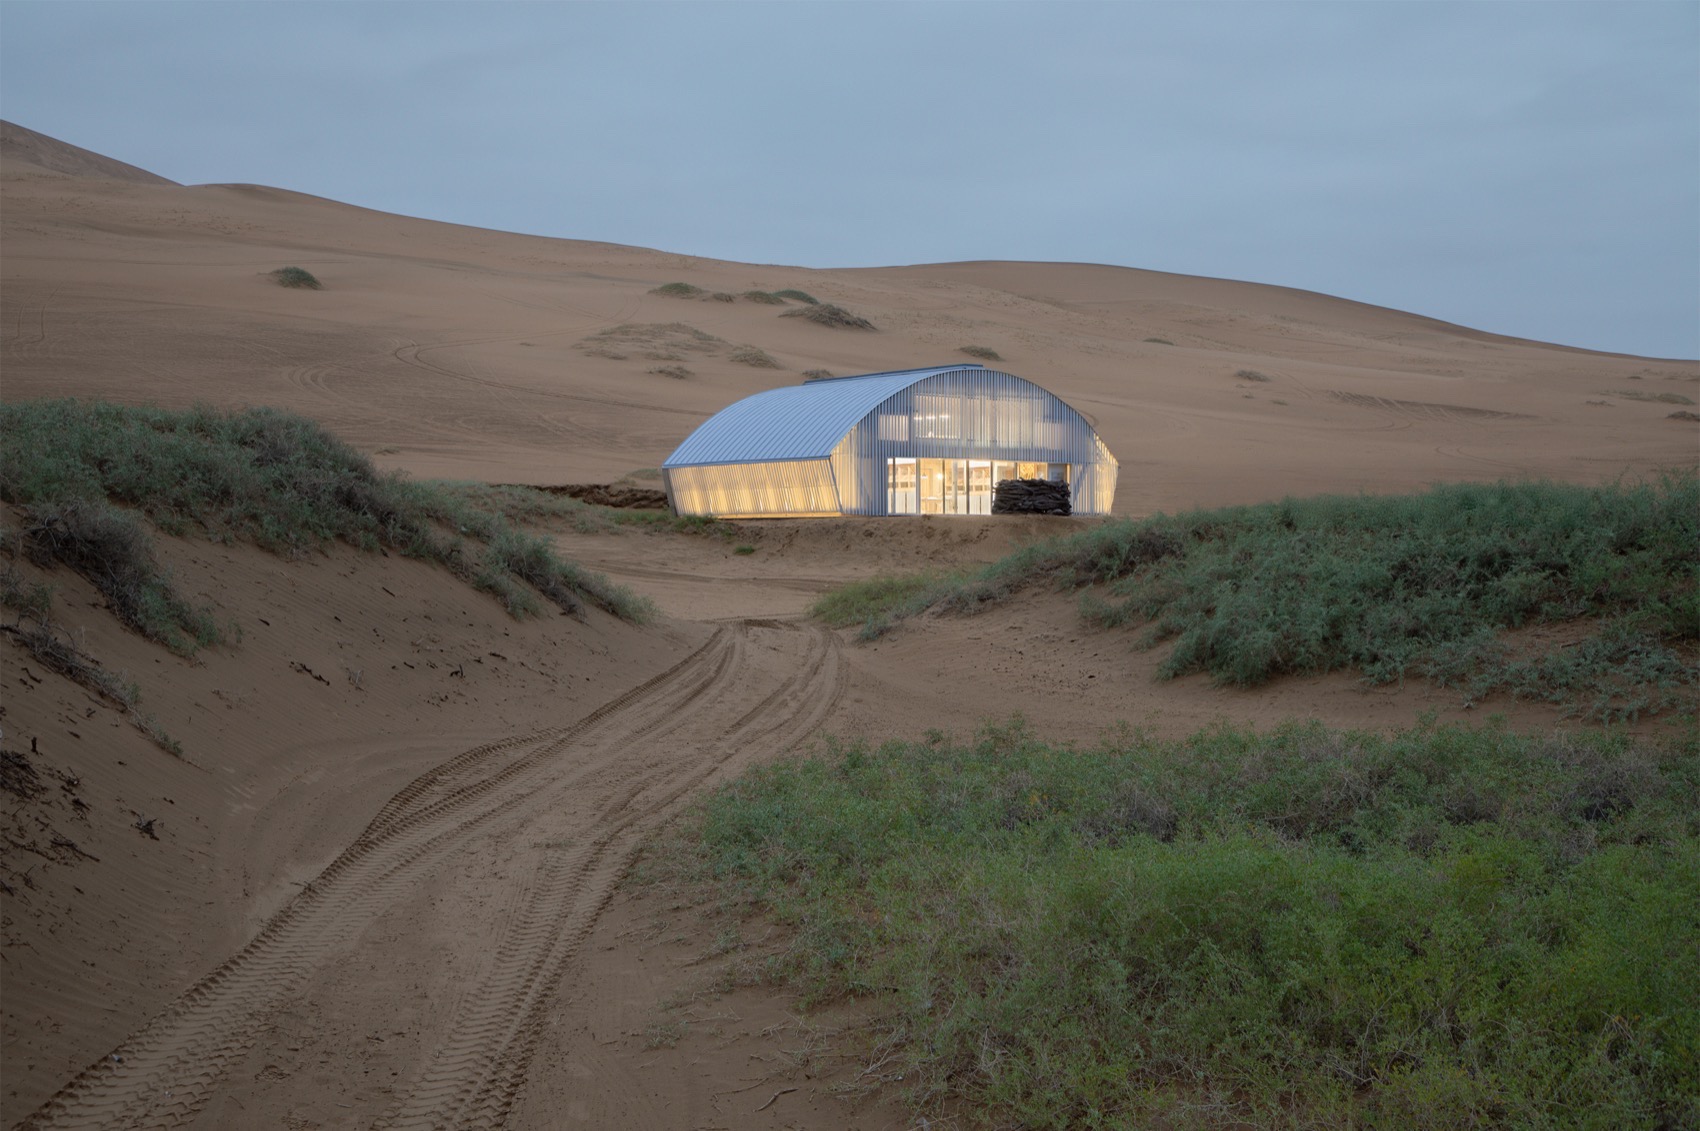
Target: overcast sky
point(1527, 168)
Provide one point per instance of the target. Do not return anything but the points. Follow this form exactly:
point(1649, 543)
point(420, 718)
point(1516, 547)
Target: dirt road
point(405, 985)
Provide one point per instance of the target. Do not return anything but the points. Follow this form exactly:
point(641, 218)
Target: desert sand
point(381, 887)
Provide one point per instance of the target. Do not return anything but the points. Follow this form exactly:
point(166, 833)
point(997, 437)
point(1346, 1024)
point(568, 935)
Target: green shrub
point(677, 290)
point(1660, 398)
point(825, 314)
point(753, 356)
point(1394, 586)
point(798, 296)
point(276, 479)
point(1448, 927)
point(766, 298)
point(296, 277)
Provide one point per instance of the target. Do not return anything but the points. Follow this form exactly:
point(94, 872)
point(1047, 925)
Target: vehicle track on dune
point(580, 798)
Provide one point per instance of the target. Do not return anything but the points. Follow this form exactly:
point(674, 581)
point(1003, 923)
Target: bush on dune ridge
point(267, 476)
point(1447, 927)
point(1422, 585)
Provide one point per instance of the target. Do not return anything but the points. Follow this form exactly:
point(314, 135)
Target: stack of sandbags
point(1030, 496)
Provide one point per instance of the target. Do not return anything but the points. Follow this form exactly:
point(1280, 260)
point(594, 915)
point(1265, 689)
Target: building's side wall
point(972, 414)
point(754, 490)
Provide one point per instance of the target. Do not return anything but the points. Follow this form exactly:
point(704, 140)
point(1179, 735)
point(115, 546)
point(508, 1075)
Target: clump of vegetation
point(1448, 927)
point(1427, 585)
point(766, 298)
point(539, 505)
point(1681, 414)
point(677, 372)
point(1160, 341)
point(817, 374)
point(1252, 375)
point(1659, 398)
point(296, 277)
point(723, 296)
point(744, 550)
point(658, 341)
point(825, 314)
point(798, 296)
point(677, 290)
point(111, 549)
point(984, 353)
point(269, 477)
point(752, 356)
point(41, 636)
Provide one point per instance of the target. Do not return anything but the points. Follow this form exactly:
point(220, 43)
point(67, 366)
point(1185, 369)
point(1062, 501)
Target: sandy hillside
point(378, 886)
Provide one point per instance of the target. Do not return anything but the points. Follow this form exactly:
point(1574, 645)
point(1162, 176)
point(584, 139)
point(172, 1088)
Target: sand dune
point(387, 855)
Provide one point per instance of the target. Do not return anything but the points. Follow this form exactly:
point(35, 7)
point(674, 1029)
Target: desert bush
point(798, 296)
point(1641, 395)
point(766, 298)
point(677, 372)
point(723, 296)
point(984, 353)
point(1160, 341)
point(1252, 375)
point(112, 550)
point(752, 356)
point(825, 314)
point(1446, 927)
point(817, 374)
point(677, 290)
point(296, 277)
point(276, 479)
point(1421, 585)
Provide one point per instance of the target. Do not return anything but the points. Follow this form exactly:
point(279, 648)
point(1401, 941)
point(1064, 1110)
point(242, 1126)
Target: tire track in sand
point(476, 1073)
point(620, 768)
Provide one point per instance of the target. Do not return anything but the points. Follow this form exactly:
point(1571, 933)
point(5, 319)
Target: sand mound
point(21, 146)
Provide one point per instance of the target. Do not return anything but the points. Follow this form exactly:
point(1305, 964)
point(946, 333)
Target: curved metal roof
point(795, 422)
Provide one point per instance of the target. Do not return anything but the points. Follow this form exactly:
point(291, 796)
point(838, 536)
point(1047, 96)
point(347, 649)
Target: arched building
point(917, 441)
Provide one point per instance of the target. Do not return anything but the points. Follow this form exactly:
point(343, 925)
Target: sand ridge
point(379, 887)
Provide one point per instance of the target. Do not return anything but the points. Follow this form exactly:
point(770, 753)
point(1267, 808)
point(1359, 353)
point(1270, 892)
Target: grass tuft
point(984, 353)
point(1252, 375)
point(798, 296)
point(677, 290)
point(1443, 928)
point(296, 277)
point(754, 357)
point(766, 298)
point(1657, 398)
point(825, 314)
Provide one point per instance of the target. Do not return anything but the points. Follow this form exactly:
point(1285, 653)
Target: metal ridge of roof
point(795, 422)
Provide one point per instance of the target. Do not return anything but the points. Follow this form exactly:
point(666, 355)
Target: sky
point(1527, 168)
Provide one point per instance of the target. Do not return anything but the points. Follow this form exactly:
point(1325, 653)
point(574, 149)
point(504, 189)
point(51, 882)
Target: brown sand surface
point(381, 883)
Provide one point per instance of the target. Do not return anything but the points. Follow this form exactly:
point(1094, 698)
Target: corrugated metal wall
point(969, 413)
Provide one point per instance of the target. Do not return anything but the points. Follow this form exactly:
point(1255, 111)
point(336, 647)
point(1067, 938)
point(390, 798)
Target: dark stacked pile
point(1030, 496)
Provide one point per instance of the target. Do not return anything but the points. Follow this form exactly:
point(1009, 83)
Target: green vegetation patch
point(677, 290)
point(753, 356)
point(1428, 585)
point(1659, 398)
point(296, 277)
point(260, 475)
point(766, 298)
point(798, 296)
point(825, 314)
point(1445, 928)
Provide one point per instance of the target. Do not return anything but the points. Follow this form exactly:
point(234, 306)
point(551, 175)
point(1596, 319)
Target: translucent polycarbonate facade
point(754, 490)
point(920, 441)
